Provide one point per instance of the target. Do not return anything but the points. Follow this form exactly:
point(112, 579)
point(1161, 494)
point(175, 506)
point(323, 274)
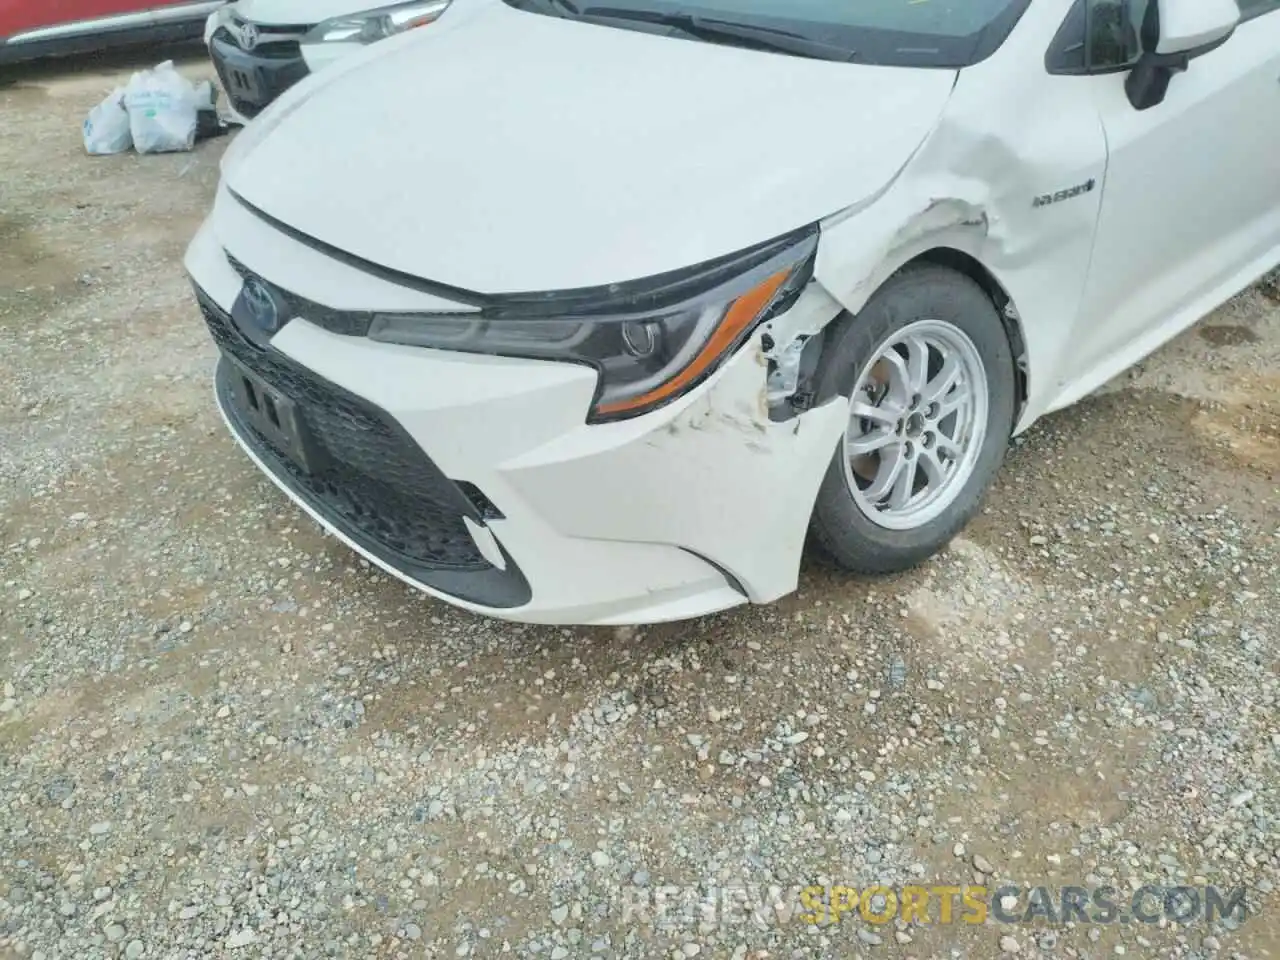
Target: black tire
point(919, 292)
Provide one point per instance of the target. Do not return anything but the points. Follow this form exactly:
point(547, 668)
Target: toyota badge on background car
point(245, 34)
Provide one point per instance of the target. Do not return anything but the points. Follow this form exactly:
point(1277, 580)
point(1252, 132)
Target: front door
point(1191, 204)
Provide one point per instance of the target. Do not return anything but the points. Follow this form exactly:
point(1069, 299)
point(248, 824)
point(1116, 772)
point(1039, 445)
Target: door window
point(1100, 36)
point(1104, 36)
point(1114, 29)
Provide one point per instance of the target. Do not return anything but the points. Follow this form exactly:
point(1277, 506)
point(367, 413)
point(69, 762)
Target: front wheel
point(930, 415)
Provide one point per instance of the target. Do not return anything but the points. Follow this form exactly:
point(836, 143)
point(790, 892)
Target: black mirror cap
point(1148, 82)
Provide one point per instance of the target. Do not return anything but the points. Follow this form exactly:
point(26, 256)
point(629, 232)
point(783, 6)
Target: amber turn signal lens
point(742, 313)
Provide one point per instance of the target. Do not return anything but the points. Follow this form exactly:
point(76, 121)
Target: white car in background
point(261, 48)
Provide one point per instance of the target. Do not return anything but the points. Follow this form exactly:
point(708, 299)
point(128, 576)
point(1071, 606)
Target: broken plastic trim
point(784, 371)
point(792, 374)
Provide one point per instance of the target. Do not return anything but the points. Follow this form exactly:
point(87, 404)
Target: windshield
point(917, 33)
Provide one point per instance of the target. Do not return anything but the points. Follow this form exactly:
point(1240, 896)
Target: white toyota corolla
point(590, 313)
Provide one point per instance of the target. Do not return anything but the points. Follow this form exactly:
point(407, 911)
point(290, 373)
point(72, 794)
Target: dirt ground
point(223, 734)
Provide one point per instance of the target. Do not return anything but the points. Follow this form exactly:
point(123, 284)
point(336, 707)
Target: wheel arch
point(973, 268)
point(965, 263)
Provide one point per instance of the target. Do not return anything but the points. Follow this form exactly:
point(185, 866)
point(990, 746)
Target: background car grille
point(280, 50)
point(370, 478)
point(277, 64)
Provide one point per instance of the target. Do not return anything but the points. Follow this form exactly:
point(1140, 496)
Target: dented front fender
point(976, 186)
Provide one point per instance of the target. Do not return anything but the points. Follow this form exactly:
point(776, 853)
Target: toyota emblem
point(261, 305)
point(247, 34)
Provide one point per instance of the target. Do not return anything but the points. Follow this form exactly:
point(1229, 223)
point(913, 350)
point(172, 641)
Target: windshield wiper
point(561, 8)
point(732, 32)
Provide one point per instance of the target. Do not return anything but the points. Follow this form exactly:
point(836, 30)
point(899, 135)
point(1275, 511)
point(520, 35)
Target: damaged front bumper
point(477, 479)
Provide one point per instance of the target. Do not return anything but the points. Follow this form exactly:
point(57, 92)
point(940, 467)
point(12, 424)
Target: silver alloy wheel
point(917, 422)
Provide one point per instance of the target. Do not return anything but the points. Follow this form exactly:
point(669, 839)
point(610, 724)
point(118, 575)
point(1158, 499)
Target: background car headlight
point(645, 357)
point(374, 25)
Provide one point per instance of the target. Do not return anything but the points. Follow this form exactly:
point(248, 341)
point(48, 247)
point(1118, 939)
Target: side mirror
point(1194, 27)
point(1174, 32)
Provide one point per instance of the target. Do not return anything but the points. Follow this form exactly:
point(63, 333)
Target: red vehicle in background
point(39, 28)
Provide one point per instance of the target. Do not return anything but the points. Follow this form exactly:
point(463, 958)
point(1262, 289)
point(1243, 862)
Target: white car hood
point(520, 152)
point(308, 12)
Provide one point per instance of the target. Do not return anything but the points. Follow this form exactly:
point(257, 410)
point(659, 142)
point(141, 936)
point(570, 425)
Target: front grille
point(269, 32)
point(275, 66)
point(369, 477)
point(349, 323)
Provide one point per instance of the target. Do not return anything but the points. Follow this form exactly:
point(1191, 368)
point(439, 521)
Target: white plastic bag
point(162, 107)
point(106, 129)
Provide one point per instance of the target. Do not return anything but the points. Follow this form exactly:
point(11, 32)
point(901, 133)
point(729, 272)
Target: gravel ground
point(221, 734)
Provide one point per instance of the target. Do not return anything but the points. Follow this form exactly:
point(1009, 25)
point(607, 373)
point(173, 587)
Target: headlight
point(373, 25)
point(651, 341)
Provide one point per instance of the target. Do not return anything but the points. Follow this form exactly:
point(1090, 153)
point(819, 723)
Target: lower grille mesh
point(368, 475)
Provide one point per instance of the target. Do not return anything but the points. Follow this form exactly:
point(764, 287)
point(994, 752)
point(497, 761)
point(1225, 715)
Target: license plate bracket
point(238, 71)
point(242, 81)
point(273, 415)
